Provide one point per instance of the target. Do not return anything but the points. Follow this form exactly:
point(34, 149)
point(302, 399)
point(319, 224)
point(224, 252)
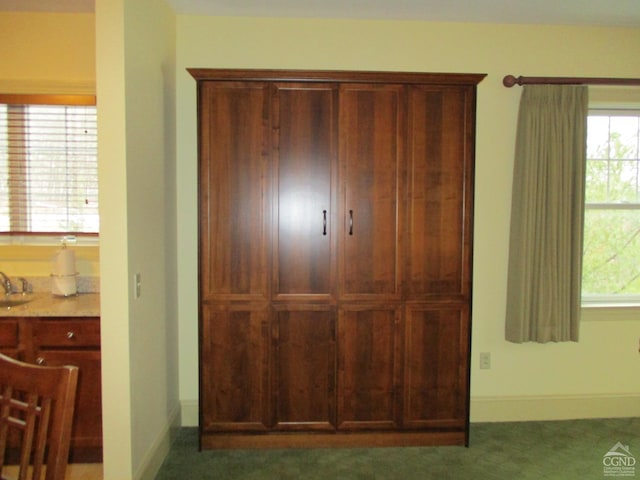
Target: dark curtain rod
point(509, 81)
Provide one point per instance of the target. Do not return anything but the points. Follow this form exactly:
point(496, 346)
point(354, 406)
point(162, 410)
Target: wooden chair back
point(38, 402)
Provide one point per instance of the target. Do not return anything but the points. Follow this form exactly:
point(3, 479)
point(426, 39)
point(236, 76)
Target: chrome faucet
point(26, 286)
point(6, 284)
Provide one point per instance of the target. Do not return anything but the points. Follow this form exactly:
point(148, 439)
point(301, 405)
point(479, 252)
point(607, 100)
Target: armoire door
point(234, 191)
point(303, 370)
point(438, 260)
point(304, 146)
point(436, 382)
point(369, 367)
point(234, 248)
point(304, 125)
point(440, 178)
point(234, 380)
point(371, 150)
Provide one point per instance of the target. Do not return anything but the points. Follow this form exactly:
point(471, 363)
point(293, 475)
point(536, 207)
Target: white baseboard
point(553, 407)
point(190, 414)
point(159, 450)
point(518, 408)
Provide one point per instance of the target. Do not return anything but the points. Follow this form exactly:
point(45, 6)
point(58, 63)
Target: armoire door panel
point(234, 379)
point(305, 149)
point(440, 193)
point(436, 366)
point(371, 149)
point(233, 191)
point(369, 366)
point(304, 368)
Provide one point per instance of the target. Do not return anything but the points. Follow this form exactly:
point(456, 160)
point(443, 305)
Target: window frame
point(48, 238)
point(604, 300)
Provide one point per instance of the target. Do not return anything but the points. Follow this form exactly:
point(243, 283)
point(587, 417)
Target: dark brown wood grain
point(234, 190)
point(304, 157)
point(440, 192)
point(86, 432)
point(234, 377)
point(371, 149)
point(336, 76)
point(9, 338)
point(437, 351)
point(75, 341)
point(335, 213)
point(38, 403)
point(369, 341)
point(56, 341)
point(304, 383)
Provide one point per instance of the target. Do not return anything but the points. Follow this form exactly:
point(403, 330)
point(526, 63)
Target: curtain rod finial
point(509, 81)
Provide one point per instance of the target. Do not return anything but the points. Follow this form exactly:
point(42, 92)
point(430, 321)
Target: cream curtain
point(545, 255)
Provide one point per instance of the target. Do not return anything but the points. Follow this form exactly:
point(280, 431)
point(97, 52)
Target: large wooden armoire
point(335, 248)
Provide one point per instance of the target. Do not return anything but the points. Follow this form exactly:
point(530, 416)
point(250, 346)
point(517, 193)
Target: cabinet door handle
point(40, 361)
point(71, 335)
point(350, 222)
point(324, 222)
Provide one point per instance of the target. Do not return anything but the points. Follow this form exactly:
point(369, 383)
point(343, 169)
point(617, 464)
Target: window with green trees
point(611, 258)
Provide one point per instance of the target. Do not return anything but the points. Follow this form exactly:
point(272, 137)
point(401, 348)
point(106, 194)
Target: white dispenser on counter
point(64, 275)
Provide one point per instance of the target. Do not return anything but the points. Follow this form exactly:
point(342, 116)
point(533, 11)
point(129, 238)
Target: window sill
point(613, 305)
point(49, 240)
point(610, 311)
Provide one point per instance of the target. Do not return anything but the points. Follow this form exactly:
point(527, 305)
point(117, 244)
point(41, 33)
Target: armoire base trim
point(339, 440)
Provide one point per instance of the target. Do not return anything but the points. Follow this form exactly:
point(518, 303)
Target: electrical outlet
point(485, 360)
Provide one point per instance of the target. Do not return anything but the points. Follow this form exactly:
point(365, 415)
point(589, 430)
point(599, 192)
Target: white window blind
point(48, 166)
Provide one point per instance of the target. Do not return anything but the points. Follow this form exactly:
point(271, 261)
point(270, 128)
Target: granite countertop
point(44, 304)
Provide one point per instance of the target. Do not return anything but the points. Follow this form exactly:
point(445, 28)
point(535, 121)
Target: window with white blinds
point(48, 165)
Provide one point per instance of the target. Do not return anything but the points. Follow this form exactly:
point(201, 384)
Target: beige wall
point(47, 53)
point(114, 269)
point(135, 78)
point(595, 377)
point(150, 153)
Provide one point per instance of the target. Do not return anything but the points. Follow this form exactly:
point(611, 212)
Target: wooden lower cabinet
point(436, 382)
point(65, 341)
point(9, 338)
point(235, 378)
point(317, 376)
point(303, 357)
point(369, 368)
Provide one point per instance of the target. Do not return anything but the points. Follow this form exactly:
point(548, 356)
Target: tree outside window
point(611, 259)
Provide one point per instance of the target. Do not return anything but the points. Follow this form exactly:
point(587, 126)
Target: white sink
point(9, 301)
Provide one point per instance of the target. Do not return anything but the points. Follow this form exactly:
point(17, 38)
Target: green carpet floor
point(563, 450)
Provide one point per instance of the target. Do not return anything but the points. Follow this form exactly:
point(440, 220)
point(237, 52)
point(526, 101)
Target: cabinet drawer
point(81, 332)
point(8, 333)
